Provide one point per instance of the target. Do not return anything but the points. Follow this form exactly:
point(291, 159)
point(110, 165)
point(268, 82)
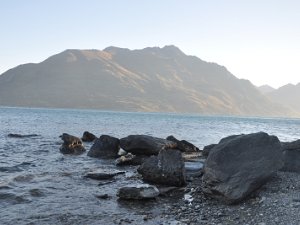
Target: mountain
point(151, 79)
point(287, 95)
point(265, 89)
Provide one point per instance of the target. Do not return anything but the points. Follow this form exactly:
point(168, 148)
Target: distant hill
point(265, 89)
point(287, 95)
point(151, 79)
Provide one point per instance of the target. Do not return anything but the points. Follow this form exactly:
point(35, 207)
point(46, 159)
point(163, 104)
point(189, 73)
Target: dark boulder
point(71, 145)
point(130, 159)
point(240, 165)
point(167, 168)
point(207, 149)
point(183, 145)
point(88, 137)
point(138, 192)
point(229, 138)
point(105, 147)
point(291, 156)
point(144, 144)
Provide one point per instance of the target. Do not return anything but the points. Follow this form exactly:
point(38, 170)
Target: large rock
point(240, 165)
point(183, 145)
point(167, 168)
point(105, 147)
point(138, 192)
point(144, 144)
point(88, 137)
point(206, 150)
point(71, 145)
point(291, 156)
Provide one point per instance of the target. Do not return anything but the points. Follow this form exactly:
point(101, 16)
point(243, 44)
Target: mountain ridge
point(286, 95)
point(150, 79)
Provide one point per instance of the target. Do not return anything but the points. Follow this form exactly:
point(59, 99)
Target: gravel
point(277, 202)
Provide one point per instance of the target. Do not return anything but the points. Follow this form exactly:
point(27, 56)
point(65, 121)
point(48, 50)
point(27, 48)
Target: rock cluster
point(229, 171)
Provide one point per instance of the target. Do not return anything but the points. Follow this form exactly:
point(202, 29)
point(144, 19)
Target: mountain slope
point(287, 95)
point(151, 79)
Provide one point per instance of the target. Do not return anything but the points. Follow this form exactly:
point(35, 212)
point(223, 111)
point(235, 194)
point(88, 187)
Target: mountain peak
point(168, 50)
point(266, 88)
point(114, 50)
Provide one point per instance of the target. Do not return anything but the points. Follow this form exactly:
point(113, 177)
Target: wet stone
point(138, 192)
point(103, 175)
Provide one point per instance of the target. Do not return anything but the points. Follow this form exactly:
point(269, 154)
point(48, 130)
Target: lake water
point(39, 185)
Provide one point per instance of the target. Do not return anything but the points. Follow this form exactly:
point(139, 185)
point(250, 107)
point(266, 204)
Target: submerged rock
point(105, 147)
point(241, 164)
point(88, 137)
point(103, 175)
point(167, 168)
point(183, 145)
point(71, 145)
point(130, 159)
point(291, 156)
point(138, 192)
point(22, 135)
point(144, 144)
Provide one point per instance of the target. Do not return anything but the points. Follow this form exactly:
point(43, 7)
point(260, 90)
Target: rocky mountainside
point(287, 95)
point(151, 79)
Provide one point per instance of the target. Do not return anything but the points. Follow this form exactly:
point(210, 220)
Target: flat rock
point(145, 144)
point(138, 192)
point(241, 164)
point(103, 175)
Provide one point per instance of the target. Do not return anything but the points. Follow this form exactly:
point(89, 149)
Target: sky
point(256, 40)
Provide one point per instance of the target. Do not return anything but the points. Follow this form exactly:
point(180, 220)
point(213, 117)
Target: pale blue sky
point(257, 40)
